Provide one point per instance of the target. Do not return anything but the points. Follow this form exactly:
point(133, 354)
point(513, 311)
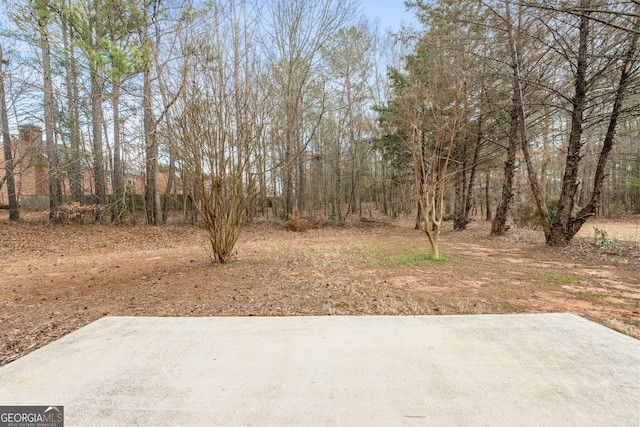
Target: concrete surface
point(547, 369)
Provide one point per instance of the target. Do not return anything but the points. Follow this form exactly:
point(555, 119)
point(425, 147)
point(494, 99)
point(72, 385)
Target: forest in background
point(522, 112)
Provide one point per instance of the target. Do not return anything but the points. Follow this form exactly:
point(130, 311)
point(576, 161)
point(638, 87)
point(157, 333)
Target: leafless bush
point(299, 224)
point(217, 127)
point(222, 189)
point(76, 212)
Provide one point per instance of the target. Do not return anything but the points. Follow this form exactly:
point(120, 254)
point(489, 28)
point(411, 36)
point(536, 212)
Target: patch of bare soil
point(56, 279)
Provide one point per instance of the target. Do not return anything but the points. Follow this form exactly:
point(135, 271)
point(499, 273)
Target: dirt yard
point(55, 279)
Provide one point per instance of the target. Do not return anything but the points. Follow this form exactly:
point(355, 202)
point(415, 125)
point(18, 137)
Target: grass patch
point(376, 256)
point(382, 257)
point(587, 295)
point(564, 279)
point(415, 257)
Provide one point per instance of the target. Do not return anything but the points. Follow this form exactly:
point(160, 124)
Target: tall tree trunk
point(118, 170)
point(73, 117)
point(565, 228)
point(499, 224)
point(419, 213)
point(14, 210)
point(560, 232)
point(636, 197)
point(55, 188)
point(152, 193)
point(357, 183)
point(302, 175)
point(288, 181)
point(385, 194)
point(472, 174)
point(458, 207)
point(98, 157)
point(289, 157)
point(464, 186)
point(171, 185)
point(460, 184)
point(487, 195)
point(338, 189)
point(522, 127)
point(421, 179)
point(353, 193)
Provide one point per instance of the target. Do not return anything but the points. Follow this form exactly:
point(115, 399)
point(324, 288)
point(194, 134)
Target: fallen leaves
point(97, 270)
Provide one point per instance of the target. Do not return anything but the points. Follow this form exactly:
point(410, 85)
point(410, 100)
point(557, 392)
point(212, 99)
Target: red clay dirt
point(56, 279)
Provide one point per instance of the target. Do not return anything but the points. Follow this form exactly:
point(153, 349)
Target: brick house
point(31, 177)
point(30, 167)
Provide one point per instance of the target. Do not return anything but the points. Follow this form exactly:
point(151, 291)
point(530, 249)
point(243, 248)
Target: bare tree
point(42, 12)
point(567, 224)
point(346, 55)
point(217, 127)
point(150, 122)
point(431, 155)
point(429, 107)
point(298, 29)
point(14, 211)
point(73, 114)
point(124, 59)
point(592, 66)
point(499, 224)
point(517, 134)
point(161, 43)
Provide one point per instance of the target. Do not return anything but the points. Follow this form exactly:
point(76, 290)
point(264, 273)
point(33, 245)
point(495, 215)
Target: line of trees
point(106, 78)
point(538, 84)
point(501, 109)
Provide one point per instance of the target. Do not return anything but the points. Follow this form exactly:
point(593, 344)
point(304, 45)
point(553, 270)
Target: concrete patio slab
point(543, 369)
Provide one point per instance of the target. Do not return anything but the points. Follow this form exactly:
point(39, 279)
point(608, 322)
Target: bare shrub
point(295, 222)
point(318, 223)
point(298, 224)
point(217, 127)
point(75, 212)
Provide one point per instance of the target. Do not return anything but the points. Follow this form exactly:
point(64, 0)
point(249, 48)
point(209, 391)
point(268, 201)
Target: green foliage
point(528, 215)
point(42, 11)
point(392, 147)
point(633, 181)
point(601, 237)
point(346, 51)
point(103, 32)
point(552, 208)
point(633, 187)
point(398, 79)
